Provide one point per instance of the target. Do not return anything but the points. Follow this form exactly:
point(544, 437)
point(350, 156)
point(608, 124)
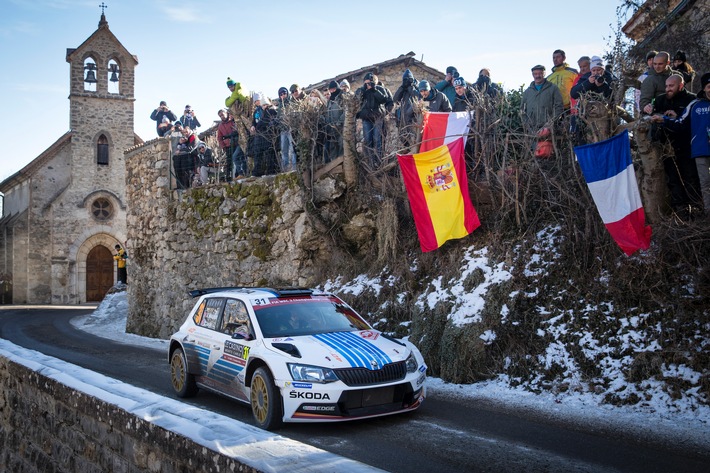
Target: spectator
point(189, 119)
point(681, 171)
point(228, 139)
point(288, 153)
point(334, 120)
point(447, 85)
point(263, 134)
point(655, 84)
point(236, 95)
point(183, 160)
point(345, 87)
point(649, 67)
point(597, 80)
point(205, 162)
point(436, 101)
point(296, 93)
point(562, 76)
point(464, 100)
point(120, 258)
point(162, 112)
point(680, 64)
point(696, 120)
point(484, 85)
point(406, 96)
point(373, 99)
point(541, 102)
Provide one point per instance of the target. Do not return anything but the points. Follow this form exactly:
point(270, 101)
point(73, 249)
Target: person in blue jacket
point(696, 119)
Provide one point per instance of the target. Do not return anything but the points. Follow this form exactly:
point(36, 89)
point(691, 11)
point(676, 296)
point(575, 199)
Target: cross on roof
point(103, 7)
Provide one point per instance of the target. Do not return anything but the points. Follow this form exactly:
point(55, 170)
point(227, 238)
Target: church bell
point(90, 74)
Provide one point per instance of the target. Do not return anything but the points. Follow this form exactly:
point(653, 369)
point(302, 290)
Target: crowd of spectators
point(551, 100)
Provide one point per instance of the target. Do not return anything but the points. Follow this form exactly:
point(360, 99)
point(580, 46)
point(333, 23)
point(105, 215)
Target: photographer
point(159, 113)
point(597, 80)
point(190, 119)
point(373, 102)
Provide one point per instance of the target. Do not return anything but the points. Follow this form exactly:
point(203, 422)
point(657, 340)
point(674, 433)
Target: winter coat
point(190, 121)
point(438, 102)
point(539, 106)
point(406, 97)
point(696, 119)
point(334, 113)
point(225, 131)
point(204, 159)
point(465, 102)
point(485, 86)
point(447, 88)
point(653, 86)
point(372, 103)
point(679, 139)
point(158, 115)
point(236, 95)
point(583, 86)
point(563, 77)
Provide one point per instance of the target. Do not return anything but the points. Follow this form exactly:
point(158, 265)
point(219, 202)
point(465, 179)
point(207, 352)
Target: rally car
point(294, 355)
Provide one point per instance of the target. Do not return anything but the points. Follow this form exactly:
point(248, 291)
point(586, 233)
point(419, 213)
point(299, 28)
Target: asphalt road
point(442, 436)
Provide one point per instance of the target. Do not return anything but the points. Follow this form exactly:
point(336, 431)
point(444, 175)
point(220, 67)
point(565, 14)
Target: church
point(64, 212)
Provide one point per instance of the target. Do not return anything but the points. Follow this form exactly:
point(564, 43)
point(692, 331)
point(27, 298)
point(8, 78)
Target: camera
point(596, 78)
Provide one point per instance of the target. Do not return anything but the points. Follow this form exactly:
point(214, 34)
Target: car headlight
point(412, 363)
point(311, 374)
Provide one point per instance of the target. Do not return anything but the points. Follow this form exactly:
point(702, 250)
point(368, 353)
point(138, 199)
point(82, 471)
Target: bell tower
point(101, 96)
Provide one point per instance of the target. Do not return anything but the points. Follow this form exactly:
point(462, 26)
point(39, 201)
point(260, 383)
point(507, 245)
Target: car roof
point(257, 291)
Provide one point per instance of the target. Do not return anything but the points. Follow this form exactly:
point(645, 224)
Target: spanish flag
point(437, 187)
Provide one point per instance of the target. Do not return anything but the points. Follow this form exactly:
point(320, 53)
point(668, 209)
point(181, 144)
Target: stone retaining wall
point(47, 426)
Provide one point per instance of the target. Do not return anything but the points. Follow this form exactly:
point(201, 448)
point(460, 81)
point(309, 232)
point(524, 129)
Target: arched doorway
point(99, 273)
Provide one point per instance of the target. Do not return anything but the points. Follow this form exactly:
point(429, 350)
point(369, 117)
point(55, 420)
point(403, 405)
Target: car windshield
point(293, 317)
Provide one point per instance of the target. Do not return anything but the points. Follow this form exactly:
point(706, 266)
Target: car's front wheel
point(183, 382)
point(265, 400)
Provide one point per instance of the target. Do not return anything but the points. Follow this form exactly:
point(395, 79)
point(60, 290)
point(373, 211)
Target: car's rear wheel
point(265, 400)
point(183, 382)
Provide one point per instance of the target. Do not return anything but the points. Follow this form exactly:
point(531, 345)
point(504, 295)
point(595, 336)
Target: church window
point(102, 209)
point(102, 151)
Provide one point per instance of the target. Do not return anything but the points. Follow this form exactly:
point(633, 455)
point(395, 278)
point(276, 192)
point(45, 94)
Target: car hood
point(362, 349)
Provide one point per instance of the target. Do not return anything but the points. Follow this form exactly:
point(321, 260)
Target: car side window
point(235, 318)
point(210, 314)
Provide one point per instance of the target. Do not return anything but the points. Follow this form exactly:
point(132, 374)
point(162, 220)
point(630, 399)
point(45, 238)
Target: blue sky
point(186, 49)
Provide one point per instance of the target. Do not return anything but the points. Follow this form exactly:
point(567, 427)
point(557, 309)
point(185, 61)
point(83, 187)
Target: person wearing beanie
point(158, 114)
point(405, 98)
point(189, 118)
point(464, 100)
point(334, 121)
point(296, 92)
point(649, 67)
point(696, 120)
point(484, 84)
point(598, 81)
point(562, 76)
point(345, 86)
point(680, 64)
point(120, 259)
point(264, 131)
point(541, 102)
point(655, 84)
point(436, 101)
point(287, 146)
point(447, 85)
point(236, 95)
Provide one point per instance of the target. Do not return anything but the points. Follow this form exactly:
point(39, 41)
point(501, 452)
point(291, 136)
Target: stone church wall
point(251, 233)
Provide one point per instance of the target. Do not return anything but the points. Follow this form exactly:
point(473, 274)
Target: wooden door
point(99, 273)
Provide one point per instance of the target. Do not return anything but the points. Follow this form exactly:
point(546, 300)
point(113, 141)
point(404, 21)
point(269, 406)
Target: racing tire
point(182, 381)
point(265, 400)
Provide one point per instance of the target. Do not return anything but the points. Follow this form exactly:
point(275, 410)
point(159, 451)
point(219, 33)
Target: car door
point(205, 343)
point(235, 337)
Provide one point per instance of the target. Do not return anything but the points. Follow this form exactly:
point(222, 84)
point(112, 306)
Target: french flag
point(442, 128)
point(609, 173)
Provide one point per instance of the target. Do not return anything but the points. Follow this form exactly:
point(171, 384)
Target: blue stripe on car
point(358, 352)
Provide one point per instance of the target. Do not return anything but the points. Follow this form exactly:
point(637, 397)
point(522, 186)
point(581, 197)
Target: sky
point(187, 49)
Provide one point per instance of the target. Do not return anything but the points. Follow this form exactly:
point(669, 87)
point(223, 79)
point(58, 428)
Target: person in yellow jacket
point(120, 258)
point(237, 95)
point(562, 76)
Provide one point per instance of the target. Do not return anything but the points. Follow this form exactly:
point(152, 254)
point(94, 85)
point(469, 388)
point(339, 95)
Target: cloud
point(184, 14)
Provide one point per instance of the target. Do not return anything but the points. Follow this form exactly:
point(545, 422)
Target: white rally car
point(295, 355)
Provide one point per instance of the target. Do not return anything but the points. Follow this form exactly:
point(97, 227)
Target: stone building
point(65, 211)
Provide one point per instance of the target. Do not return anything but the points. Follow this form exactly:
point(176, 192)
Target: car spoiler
point(279, 292)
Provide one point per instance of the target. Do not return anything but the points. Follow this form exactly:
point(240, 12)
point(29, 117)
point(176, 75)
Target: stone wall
point(47, 426)
point(253, 232)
